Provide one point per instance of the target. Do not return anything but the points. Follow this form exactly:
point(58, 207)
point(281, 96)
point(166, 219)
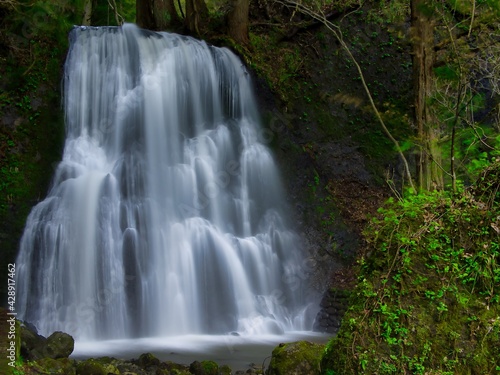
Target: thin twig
point(119, 19)
point(472, 16)
point(180, 8)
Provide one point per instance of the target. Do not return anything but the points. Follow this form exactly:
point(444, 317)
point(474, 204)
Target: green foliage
point(465, 93)
point(44, 19)
point(33, 37)
point(389, 12)
point(446, 72)
point(478, 154)
point(278, 63)
point(127, 10)
point(466, 7)
point(462, 6)
point(428, 296)
point(103, 14)
point(26, 83)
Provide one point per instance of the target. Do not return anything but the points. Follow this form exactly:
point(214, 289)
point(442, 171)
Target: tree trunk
point(196, 16)
point(238, 21)
point(157, 14)
point(429, 172)
point(165, 15)
point(87, 13)
point(144, 14)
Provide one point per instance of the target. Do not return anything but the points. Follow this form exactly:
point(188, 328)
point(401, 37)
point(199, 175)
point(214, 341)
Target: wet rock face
point(296, 358)
point(333, 307)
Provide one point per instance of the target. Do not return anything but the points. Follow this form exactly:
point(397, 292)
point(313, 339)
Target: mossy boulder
point(225, 370)
point(210, 367)
point(91, 367)
point(64, 366)
point(204, 368)
point(147, 360)
point(59, 345)
point(35, 346)
point(111, 369)
point(30, 340)
point(296, 358)
point(109, 364)
point(106, 360)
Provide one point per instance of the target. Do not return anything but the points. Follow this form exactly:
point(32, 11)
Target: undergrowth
point(428, 294)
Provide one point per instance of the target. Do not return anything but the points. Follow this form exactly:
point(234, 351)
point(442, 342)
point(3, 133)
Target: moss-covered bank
point(428, 294)
point(32, 49)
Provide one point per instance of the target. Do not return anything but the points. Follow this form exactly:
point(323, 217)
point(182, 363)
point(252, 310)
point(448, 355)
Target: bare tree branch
point(9, 4)
point(118, 18)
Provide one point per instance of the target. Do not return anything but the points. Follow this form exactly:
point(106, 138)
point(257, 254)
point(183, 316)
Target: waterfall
point(166, 215)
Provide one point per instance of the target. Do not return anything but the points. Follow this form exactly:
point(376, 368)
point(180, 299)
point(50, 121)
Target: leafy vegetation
point(428, 296)
point(427, 300)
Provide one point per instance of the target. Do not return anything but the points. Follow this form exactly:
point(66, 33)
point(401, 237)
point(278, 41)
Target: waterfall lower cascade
point(166, 214)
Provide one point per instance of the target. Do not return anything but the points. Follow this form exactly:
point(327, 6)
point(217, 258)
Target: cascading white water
point(165, 216)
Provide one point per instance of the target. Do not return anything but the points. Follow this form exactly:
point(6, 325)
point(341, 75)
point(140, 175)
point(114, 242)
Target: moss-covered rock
point(90, 367)
point(210, 367)
point(204, 368)
point(129, 367)
point(296, 358)
point(64, 366)
point(59, 345)
point(111, 369)
point(30, 340)
point(147, 360)
point(225, 370)
point(34, 346)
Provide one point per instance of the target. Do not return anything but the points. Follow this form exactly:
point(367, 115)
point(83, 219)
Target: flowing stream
point(166, 216)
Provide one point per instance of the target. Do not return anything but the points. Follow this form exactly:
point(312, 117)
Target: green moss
point(279, 64)
point(91, 367)
point(428, 297)
point(108, 364)
point(210, 367)
point(301, 357)
point(64, 366)
point(176, 372)
point(147, 360)
point(174, 368)
point(225, 370)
